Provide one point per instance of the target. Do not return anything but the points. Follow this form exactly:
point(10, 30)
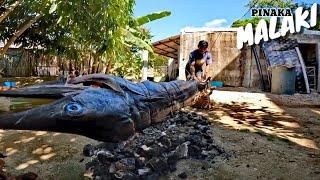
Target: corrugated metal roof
point(168, 47)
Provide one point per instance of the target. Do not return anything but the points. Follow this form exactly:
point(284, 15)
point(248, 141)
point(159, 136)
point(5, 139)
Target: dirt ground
point(269, 137)
point(50, 155)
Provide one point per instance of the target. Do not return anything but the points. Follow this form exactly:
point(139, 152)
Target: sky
point(193, 14)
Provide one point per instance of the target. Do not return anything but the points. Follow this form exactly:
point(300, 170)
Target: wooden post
point(182, 62)
point(171, 67)
point(303, 67)
point(145, 58)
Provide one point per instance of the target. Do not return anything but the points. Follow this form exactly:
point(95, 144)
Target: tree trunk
point(94, 64)
point(18, 34)
point(9, 10)
point(90, 64)
point(97, 71)
point(108, 67)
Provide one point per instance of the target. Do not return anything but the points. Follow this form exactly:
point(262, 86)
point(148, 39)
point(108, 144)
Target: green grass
point(244, 130)
point(273, 137)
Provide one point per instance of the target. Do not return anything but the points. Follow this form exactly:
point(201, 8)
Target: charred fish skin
point(111, 114)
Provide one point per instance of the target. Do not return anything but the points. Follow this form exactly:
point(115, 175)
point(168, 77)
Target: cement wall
point(230, 65)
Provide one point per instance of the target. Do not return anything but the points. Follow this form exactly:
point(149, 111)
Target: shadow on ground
point(293, 119)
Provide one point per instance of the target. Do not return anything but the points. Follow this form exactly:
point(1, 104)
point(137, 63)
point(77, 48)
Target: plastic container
point(9, 84)
point(216, 83)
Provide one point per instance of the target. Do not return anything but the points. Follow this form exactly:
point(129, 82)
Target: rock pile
point(155, 151)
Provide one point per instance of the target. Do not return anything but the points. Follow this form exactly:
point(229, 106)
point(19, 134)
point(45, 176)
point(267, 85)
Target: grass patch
point(273, 137)
point(286, 140)
point(244, 130)
point(260, 133)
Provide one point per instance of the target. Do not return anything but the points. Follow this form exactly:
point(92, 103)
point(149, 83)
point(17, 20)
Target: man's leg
point(199, 75)
point(188, 73)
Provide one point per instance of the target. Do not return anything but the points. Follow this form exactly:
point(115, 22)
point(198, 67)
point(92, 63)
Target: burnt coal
point(155, 151)
point(183, 175)
point(88, 150)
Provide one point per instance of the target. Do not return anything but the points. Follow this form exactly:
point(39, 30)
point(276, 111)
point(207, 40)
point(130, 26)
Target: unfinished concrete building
point(232, 66)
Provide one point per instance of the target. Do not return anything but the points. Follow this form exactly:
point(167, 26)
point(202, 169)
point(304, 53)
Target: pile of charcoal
point(155, 151)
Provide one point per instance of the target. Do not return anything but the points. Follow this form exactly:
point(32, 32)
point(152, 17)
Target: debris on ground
point(202, 100)
point(156, 150)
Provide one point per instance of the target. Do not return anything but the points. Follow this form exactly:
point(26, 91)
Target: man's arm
point(208, 62)
point(192, 62)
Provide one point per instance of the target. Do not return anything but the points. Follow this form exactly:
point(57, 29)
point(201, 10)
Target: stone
point(88, 150)
point(119, 174)
point(206, 136)
point(210, 141)
point(145, 148)
point(144, 171)
point(140, 162)
point(105, 157)
point(194, 151)
point(155, 152)
point(158, 164)
point(181, 151)
point(172, 126)
point(126, 164)
point(112, 168)
point(183, 175)
point(195, 139)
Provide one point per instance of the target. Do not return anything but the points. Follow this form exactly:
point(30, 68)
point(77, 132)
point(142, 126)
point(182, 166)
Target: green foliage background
point(104, 30)
point(271, 4)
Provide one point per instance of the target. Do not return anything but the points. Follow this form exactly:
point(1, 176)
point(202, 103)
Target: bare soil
point(49, 155)
point(269, 136)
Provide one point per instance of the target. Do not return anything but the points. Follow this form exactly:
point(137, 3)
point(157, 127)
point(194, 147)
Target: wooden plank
point(254, 50)
point(169, 52)
point(303, 67)
point(166, 55)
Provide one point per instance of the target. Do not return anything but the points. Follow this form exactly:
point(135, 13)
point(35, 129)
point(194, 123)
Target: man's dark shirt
point(197, 59)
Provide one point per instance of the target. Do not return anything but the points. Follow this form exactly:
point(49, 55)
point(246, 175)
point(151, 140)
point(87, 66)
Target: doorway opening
point(309, 55)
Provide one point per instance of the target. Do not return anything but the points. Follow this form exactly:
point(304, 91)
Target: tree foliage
point(269, 4)
point(239, 23)
point(104, 30)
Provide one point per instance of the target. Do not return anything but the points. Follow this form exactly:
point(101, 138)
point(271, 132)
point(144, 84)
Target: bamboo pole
point(303, 67)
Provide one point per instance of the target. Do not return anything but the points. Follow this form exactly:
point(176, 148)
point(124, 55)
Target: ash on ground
point(155, 152)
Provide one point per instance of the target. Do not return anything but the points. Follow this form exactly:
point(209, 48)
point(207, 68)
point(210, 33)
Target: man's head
point(203, 46)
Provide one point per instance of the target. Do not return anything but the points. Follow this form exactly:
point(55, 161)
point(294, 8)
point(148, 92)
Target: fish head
point(98, 113)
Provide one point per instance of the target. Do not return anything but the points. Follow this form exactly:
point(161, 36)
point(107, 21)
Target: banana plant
point(152, 17)
point(136, 34)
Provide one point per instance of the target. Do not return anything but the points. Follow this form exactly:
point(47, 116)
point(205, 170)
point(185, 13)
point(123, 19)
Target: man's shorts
point(198, 74)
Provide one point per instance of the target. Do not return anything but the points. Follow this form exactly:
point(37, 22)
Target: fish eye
point(73, 108)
